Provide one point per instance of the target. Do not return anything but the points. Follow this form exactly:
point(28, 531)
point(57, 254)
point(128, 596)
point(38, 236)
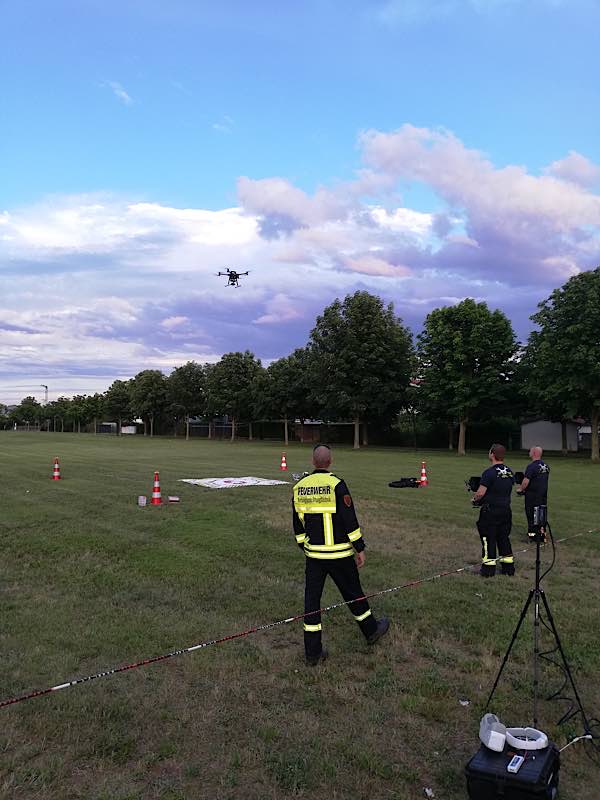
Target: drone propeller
point(233, 275)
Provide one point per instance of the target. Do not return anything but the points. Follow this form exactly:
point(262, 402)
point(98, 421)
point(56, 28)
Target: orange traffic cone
point(156, 498)
point(283, 463)
point(423, 481)
point(56, 470)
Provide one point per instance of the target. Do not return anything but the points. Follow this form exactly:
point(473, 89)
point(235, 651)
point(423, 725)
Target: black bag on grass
point(405, 483)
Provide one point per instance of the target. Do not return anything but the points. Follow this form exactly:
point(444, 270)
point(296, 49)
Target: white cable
point(586, 736)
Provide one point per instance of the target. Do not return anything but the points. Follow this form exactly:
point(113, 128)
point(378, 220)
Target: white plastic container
point(492, 732)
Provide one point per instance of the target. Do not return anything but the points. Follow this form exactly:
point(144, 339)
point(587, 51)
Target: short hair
point(499, 451)
point(321, 455)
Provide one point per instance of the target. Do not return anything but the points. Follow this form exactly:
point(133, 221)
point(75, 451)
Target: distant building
point(548, 435)
point(308, 430)
point(585, 437)
point(314, 431)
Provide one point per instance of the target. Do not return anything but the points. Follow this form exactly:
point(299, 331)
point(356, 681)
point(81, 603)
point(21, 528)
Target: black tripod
point(537, 594)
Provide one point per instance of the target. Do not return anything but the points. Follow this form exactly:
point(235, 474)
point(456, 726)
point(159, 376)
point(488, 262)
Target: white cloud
point(413, 223)
point(277, 197)
point(372, 265)
point(224, 125)
point(228, 226)
point(91, 224)
point(170, 323)
point(467, 179)
point(457, 238)
point(410, 12)
point(120, 93)
point(143, 274)
point(280, 309)
point(577, 169)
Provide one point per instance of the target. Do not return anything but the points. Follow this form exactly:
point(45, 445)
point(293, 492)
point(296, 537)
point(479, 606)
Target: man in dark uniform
point(535, 486)
point(328, 533)
point(495, 517)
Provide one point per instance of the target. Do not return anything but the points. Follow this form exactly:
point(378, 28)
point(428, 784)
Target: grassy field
point(89, 581)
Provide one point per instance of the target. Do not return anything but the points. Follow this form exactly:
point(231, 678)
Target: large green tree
point(465, 355)
point(149, 396)
point(230, 387)
point(287, 389)
point(359, 356)
point(58, 409)
point(186, 387)
point(78, 411)
point(564, 354)
point(94, 408)
point(117, 402)
point(28, 412)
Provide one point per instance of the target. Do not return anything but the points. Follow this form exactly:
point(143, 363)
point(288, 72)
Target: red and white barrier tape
point(258, 628)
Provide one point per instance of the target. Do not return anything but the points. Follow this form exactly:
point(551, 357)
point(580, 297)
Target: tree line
point(362, 365)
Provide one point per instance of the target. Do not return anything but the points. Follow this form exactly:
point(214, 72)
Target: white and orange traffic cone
point(156, 498)
point(56, 470)
point(423, 481)
point(283, 463)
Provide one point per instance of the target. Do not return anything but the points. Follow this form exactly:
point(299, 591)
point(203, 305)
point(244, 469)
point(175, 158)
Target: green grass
point(89, 581)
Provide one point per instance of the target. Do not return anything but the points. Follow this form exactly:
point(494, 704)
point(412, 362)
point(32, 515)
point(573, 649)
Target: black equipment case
point(537, 779)
point(405, 483)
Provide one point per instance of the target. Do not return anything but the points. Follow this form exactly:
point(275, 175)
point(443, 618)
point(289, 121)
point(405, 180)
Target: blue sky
point(425, 150)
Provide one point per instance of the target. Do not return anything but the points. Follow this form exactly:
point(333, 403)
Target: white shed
point(548, 435)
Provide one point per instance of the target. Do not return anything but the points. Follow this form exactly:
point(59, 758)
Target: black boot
point(383, 627)
point(487, 571)
point(312, 661)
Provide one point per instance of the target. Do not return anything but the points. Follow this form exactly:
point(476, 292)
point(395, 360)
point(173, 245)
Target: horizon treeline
point(362, 365)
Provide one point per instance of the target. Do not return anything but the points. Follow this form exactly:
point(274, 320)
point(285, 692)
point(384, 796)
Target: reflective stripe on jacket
point(324, 519)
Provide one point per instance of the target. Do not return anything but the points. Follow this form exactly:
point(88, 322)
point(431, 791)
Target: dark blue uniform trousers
point(344, 573)
point(494, 526)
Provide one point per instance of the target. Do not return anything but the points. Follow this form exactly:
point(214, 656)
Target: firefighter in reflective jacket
point(495, 518)
point(328, 533)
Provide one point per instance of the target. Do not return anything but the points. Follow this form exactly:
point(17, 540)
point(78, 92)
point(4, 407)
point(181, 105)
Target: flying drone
point(233, 276)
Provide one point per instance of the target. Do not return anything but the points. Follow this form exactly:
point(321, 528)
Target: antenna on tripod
point(538, 596)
